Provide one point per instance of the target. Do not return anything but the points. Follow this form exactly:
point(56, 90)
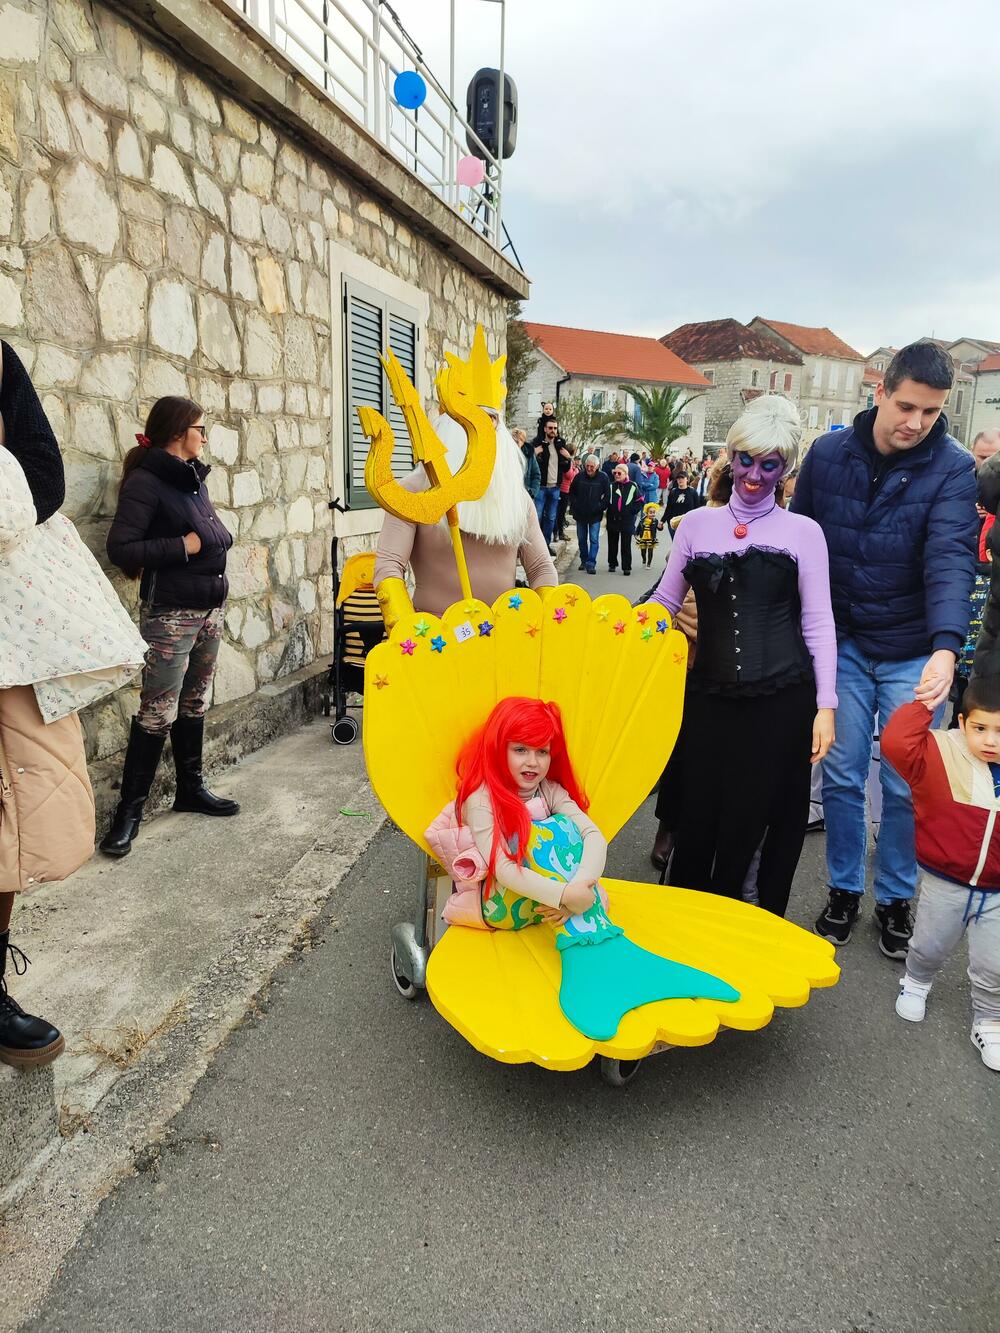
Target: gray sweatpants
point(944, 914)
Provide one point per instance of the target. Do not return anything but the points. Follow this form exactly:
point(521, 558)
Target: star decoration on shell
point(381, 682)
point(680, 658)
point(559, 614)
point(421, 628)
point(661, 627)
point(471, 609)
point(571, 599)
point(532, 630)
point(646, 634)
point(515, 602)
point(407, 647)
point(603, 615)
point(485, 629)
point(619, 626)
point(437, 644)
point(642, 617)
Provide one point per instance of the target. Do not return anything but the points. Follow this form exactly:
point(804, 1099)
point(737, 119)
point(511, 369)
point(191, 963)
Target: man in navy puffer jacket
point(895, 497)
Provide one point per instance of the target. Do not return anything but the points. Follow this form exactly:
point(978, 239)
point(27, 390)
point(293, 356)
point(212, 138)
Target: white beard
point(500, 517)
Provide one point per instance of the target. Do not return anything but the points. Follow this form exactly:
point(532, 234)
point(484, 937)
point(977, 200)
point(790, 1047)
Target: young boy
point(955, 780)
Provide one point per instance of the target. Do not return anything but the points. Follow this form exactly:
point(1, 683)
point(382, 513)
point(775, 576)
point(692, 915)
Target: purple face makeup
point(756, 475)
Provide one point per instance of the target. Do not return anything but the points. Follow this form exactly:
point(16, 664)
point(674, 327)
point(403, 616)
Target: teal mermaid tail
point(604, 974)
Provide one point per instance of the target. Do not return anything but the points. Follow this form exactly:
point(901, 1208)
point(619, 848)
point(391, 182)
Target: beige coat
point(46, 801)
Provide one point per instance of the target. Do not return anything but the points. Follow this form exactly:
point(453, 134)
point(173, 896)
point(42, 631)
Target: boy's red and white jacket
point(957, 814)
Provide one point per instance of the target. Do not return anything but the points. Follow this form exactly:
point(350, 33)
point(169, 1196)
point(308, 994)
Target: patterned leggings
point(180, 664)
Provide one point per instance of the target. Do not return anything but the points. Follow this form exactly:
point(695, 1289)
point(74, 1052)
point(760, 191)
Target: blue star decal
point(515, 602)
point(437, 644)
point(661, 627)
point(485, 629)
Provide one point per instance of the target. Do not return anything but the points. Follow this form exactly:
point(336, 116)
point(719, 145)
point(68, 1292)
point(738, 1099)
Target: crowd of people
point(619, 492)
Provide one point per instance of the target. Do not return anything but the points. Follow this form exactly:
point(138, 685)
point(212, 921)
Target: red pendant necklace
point(741, 528)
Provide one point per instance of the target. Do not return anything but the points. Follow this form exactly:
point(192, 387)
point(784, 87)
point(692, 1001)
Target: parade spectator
point(589, 495)
point(624, 504)
point(548, 414)
point(955, 781)
point(553, 460)
point(984, 446)
point(986, 661)
point(663, 475)
point(610, 463)
point(564, 485)
point(895, 497)
point(532, 472)
point(701, 486)
point(764, 687)
point(634, 463)
point(649, 483)
point(681, 500)
point(167, 534)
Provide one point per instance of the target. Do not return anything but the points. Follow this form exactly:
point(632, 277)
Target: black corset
point(749, 623)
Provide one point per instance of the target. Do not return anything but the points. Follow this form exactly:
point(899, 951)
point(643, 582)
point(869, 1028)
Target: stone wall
point(725, 401)
point(156, 237)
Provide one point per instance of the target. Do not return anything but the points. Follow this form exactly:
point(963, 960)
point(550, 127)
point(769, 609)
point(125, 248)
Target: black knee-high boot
point(141, 760)
point(187, 737)
point(26, 1042)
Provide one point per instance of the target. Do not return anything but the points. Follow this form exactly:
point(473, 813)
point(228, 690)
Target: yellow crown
point(480, 377)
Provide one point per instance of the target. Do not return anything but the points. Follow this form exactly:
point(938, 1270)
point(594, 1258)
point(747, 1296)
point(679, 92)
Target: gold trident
point(446, 488)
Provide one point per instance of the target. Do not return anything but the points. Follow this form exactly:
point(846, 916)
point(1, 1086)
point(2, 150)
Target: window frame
point(355, 492)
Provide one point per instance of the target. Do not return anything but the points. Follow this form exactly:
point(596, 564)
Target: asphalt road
point(348, 1162)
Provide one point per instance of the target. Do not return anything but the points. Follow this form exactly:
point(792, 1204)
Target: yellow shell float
point(432, 684)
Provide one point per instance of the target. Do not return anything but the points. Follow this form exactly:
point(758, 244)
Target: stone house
point(583, 361)
point(740, 364)
point(831, 373)
point(183, 211)
point(985, 413)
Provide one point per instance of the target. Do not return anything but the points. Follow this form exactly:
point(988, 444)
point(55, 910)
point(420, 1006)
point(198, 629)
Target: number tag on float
point(465, 631)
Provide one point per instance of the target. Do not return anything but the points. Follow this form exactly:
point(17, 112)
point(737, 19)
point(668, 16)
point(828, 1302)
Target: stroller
point(357, 628)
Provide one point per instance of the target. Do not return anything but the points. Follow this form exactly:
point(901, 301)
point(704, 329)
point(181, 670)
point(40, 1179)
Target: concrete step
point(29, 1118)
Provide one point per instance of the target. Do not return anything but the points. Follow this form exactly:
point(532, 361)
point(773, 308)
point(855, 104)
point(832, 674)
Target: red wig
point(483, 763)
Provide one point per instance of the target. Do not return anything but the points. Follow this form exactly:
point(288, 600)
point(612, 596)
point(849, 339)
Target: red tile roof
point(988, 363)
point(726, 340)
point(814, 342)
point(614, 356)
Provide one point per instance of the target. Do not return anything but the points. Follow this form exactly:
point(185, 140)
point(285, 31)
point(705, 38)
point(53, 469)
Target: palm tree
point(656, 422)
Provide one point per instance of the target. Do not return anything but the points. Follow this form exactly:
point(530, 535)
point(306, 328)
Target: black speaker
point(481, 111)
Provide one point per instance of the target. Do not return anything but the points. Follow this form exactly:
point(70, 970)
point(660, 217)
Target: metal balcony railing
point(352, 50)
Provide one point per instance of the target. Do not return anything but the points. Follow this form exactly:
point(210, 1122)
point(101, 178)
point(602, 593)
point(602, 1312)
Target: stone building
point(985, 414)
point(739, 363)
point(831, 373)
point(183, 212)
point(583, 361)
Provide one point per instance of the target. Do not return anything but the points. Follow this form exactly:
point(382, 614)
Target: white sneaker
point(911, 1002)
point(985, 1036)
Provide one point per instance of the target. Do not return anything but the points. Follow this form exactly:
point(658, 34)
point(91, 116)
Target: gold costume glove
point(394, 600)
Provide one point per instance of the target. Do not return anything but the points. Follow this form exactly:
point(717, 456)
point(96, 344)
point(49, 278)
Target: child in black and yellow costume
point(646, 532)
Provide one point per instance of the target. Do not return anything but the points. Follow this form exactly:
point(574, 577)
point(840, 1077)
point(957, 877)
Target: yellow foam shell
point(610, 667)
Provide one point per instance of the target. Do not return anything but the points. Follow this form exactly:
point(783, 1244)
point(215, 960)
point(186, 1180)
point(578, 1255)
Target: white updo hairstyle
point(770, 423)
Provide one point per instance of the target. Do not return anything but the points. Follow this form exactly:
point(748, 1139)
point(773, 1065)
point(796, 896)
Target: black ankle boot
point(26, 1042)
point(187, 737)
point(141, 760)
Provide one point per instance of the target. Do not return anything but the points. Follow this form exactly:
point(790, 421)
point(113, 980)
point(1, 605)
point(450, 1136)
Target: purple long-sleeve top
point(710, 531)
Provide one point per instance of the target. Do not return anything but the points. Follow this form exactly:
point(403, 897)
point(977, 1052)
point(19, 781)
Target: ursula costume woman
point(763, 688)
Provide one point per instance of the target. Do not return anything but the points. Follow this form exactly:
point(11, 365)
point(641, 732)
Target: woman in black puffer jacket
point(166, 531)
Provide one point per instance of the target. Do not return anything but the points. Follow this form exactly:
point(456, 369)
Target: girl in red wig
point(516, 770)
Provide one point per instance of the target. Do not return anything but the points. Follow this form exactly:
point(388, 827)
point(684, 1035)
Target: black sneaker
point(895, 926)
point(841, 912)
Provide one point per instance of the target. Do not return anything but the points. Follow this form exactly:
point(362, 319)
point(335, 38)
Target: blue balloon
point(409, 89)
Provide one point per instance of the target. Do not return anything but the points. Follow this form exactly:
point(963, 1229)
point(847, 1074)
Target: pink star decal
point(559, 615)
point(407, 647)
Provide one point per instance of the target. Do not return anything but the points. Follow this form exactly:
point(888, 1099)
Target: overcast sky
point(676, 160)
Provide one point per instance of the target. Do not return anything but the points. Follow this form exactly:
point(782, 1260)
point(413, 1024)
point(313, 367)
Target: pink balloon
point(471, 171)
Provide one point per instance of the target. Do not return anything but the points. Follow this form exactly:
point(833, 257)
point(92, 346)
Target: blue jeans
point(547, 506)
point(588, 536)
point(868, 688)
